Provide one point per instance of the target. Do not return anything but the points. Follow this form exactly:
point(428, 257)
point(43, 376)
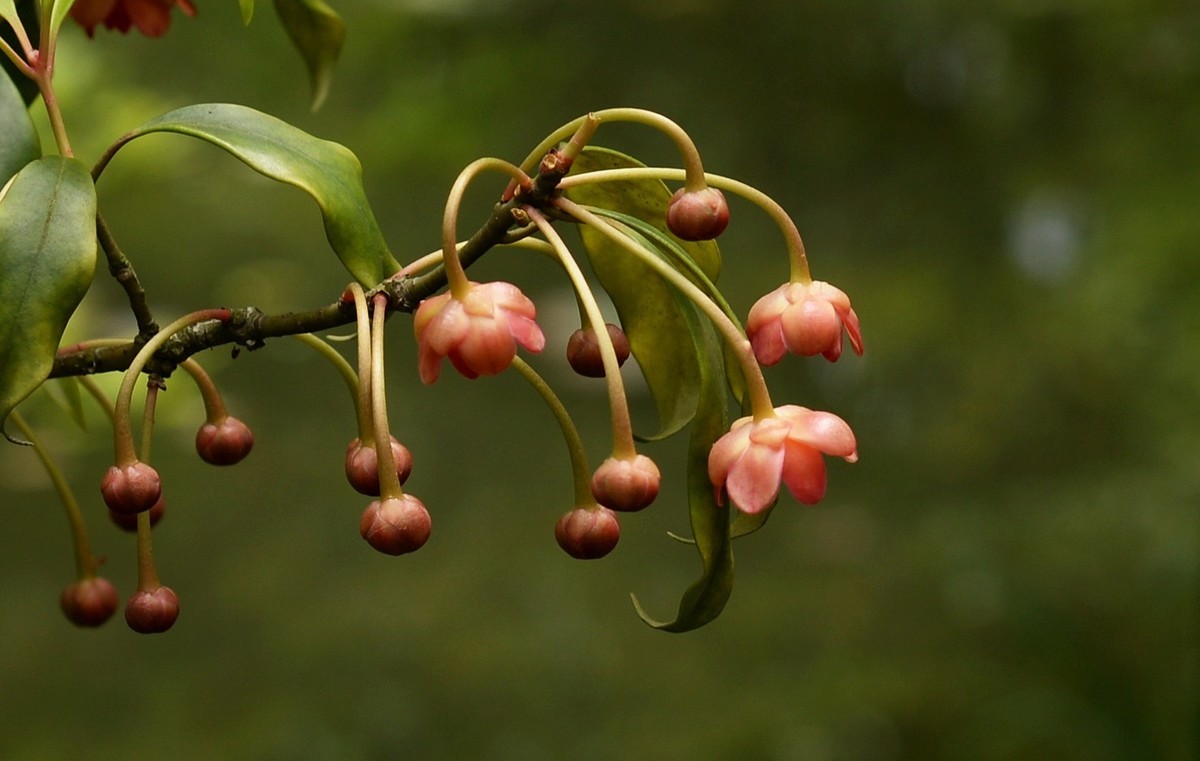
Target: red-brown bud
point(583, 350)
point(226, 442)
point(128, 521)
point(698, 215)
point(131, 488)
point(626, 485)
point(362, 465)
point(587, 533)
point(152, 611)
point(396, 525)
point(89, 602)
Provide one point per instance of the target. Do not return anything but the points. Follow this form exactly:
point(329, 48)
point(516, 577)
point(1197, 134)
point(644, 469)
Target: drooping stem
point(389, 480)
point(797, 257)
point(366, 422)
point(580, 474)
point(122, 436)
point(622, 427)
point(756, 385)
point(147, 570)
point(348, 375)
point(85, 562)
point(214, 407)
point(693, 171)
point(456, 276)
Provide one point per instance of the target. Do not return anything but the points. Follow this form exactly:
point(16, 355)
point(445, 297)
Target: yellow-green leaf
point(706, 597)
point(47, 259)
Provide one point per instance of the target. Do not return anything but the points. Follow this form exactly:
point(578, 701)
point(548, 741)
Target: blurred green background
point(1008, 190)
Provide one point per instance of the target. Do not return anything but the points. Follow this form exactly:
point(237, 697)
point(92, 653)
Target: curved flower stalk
point(476, 326)
point(803, 316)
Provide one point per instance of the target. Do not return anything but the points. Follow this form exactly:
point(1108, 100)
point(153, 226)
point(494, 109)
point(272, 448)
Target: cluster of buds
point(657, 260)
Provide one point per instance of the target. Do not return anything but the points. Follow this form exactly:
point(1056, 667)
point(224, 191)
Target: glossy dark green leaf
point(47, 258)
point(327, 171)
point(706, 597)
point(18, 137)
point(657, 320)
point(317, 32)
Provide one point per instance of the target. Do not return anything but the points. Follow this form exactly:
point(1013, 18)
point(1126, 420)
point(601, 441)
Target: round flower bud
point(583, 350)
point(128, 521)
point(362, 465)
point(395, 525)
point(626, 485)
point(89, 602)
point(152, 611)
point(698, 215)
point(131, 488)
point(587, 533)
point(224, 443)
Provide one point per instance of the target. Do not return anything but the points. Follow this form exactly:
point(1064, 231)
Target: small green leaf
point(47, 258)
point(18, 137)
point(247, 8)
point(706, 597)
point(317, 32)
point(327, 171)
point(8, 10)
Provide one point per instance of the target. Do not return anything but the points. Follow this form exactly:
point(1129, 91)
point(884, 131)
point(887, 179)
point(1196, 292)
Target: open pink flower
point(479, 333)
point(805, 319)
point(151, 17)
point(749, 462)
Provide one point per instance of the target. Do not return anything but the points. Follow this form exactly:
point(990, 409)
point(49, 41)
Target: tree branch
point(250, 328)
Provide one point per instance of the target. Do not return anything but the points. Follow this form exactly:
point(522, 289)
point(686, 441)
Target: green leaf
point(27, 12)
point(247, 8)
point(19, 143)
point(317, 32)
point(657, 320)
point(47, 258)
point(8, 10)
point(327, 171)
point(706, 597)
point(58, 10)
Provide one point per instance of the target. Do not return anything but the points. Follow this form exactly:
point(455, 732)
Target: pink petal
point(429, 364)
point(726, 450)
point(853, 329)
point(753, 481)
point(526, 332)
point(804, 473)
point(823, 431)
point(767, 343)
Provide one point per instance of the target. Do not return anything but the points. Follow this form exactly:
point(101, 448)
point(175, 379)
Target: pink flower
point(749, 461)
point(803, 318)
point(479, 333)
point(151, 17)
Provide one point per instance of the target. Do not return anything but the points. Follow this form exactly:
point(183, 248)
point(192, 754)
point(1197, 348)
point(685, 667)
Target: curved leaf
point(325, 170)
point(19, 143)
point(658, 322)
point(247, 9)
point(47, 258)
point(706, 597)
point(317, 32)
